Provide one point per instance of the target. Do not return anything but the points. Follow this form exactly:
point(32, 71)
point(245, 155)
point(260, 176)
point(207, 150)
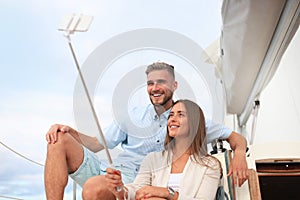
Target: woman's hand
point(152, 192)
point(113, 181)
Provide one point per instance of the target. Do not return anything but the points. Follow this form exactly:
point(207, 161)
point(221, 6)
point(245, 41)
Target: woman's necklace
point(179, 163)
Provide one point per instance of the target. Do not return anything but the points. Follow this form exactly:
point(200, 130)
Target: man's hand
point(91, 143)
point(238, 168)
point(52, 134)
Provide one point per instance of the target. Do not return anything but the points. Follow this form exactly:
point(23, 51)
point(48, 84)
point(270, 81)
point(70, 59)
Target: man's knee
point(60, 144)
point(95, 188)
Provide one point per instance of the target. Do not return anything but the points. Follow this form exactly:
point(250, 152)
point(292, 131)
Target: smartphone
point(75, 22)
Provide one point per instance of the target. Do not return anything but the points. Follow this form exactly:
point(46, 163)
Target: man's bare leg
point(63, 157)
point(95, 189)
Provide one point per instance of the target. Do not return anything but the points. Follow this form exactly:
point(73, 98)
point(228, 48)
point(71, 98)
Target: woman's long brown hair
point(197, 134)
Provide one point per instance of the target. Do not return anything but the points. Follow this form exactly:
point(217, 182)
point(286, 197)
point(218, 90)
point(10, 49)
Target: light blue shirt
point(144, 132)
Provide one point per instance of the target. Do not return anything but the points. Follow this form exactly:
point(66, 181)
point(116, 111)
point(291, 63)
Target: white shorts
point(91, 167)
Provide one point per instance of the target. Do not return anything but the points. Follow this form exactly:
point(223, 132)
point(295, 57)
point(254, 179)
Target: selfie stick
point(81, 23)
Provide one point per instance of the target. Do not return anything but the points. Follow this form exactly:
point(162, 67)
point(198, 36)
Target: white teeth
point(156, 95)
point(173, 126)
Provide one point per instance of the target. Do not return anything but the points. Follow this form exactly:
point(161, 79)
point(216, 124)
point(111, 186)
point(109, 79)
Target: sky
point(38, 74)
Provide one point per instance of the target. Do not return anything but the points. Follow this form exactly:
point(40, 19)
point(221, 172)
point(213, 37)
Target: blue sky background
point(38, 73)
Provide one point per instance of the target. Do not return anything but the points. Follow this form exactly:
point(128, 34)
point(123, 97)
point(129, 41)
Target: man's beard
point(165, 101)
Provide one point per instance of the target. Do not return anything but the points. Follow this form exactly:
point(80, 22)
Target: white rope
point(6, 197)
point(20, 154)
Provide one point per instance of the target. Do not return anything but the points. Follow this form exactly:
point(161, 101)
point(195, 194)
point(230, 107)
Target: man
point(71, 153)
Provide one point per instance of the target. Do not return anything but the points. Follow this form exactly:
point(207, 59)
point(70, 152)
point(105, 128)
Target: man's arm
point(89, 142)
point(238, 167)
point(92, 143)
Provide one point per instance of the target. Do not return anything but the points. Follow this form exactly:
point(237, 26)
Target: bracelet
point(171, 193)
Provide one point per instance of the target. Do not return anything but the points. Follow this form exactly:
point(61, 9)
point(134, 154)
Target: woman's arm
point(152, 192)
point(143, 178)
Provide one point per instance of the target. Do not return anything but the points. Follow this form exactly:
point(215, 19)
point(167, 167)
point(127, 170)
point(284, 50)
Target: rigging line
point(20, 155)
point(6, 197)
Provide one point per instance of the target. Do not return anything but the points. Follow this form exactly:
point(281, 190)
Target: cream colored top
point(174, 181)
point(197, 181)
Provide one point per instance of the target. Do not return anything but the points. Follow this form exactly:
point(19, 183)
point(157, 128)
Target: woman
point(183, 170)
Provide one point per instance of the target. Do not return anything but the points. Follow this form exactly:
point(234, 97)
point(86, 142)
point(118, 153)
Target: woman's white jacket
point(197, 182)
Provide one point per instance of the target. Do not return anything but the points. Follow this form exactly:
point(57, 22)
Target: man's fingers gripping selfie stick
point(81, 23)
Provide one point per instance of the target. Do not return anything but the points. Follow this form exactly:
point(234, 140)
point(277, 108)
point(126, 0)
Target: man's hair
point(160, 66)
